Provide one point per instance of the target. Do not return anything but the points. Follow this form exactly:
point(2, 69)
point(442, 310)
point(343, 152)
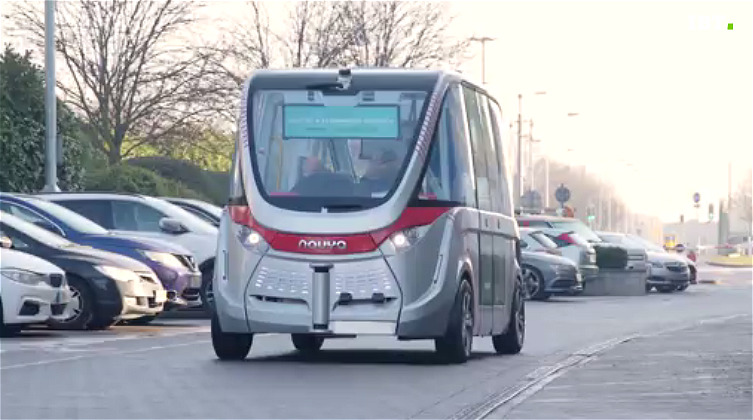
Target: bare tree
point(319, 34)
point(132, 75)
point(403, 34)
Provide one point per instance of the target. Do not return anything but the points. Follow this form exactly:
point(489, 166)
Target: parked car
point(32, 290)
point(150, 217)
point(636, 258)
point(105, 287)
point(534, 240)
point(666, 272)
point(174, 265)
point(206, 211)
point(575, 249)
point(546, 274)
point(652, 247)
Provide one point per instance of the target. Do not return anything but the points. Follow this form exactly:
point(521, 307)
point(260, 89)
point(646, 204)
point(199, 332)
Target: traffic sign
point(697, 198)
point(562, 194)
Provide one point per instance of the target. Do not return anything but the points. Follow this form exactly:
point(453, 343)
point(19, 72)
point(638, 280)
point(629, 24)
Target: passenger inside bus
point(317, 180)
point(381, 173)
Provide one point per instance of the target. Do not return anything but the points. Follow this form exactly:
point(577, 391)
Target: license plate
point(160, 296)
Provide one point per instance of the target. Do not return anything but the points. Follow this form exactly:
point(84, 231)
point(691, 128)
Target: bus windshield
point(334, 150)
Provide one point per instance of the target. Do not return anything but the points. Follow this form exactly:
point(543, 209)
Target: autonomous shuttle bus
point(368, 201)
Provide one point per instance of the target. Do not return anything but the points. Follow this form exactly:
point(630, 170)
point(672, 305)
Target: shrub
point(611, 257)
point(212, 185)
point(132, 179)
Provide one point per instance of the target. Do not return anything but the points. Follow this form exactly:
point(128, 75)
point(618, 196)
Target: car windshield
point(544, 240)
point(648, 245)
point(343, 149)
point(37, 233)
point(74, 221)
point(579, 228)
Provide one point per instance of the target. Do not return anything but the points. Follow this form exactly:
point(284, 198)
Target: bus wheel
point(457, 343)
point(307, 343)
point(230, 346)
point(511, 342)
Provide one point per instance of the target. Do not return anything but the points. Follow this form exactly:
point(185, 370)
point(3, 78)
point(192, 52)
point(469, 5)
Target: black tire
point(682, 287)
point(307, 343)
point(206, 292)
point(512, 340)
point(693, 276)
point(456, 345)
point(144, 320)
point(534, 282)
point(84, 314)
point(7, 330)
point(666, 289)
point(230, 346)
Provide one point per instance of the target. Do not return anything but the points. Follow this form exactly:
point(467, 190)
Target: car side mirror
point(172, 226)
point(5, 242)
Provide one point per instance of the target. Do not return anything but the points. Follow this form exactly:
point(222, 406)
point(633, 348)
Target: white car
point(149, 217)
point(32, 291)
point(575, 249)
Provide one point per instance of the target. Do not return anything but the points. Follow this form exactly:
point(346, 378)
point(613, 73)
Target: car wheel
point(511, 341)
point(683, 287)
point(230, 346)
point(307, 343)
point(207, 292)
point(7, 330)
point(456, 345)
point(80, 309)
point(534, 282)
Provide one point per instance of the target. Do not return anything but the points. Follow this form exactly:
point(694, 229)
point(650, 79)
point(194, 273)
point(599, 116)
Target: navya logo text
point(322, 245)
point(705, 23)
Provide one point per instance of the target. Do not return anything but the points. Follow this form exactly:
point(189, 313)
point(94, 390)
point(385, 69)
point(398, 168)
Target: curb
point(511, 397)
point(726, 265)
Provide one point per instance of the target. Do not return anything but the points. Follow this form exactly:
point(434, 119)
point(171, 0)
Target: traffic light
point(711, 212)
point(591, 215)
point(682, 218)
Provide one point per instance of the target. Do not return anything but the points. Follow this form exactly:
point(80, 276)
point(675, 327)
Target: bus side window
point(478, 141)
point(449, 163)
point(504, 192)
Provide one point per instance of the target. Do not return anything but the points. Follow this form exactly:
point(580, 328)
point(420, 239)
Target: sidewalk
point(699, 373)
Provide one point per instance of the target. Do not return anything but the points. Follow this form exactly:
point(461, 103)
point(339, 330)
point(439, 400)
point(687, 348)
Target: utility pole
point(519, 172)
point(483, 40)
point(546, 181)
point(50, 100)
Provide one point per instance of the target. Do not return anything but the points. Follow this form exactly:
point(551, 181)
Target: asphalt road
point(168, 370)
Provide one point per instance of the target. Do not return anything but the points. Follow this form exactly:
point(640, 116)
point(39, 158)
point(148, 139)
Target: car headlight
point(117, 273)
point(22, 276)
point(168, 260)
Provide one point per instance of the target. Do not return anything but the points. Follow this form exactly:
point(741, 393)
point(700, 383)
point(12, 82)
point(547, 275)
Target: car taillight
point(241, 215)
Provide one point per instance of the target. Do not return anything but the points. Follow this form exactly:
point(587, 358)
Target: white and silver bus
point(368, 202)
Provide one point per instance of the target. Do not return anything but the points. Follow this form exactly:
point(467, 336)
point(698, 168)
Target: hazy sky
point(676, 103)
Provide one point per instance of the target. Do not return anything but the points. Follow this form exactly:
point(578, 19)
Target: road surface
point(168, 370)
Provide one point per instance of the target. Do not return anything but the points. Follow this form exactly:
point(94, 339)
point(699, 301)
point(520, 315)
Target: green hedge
point(132, 179)
point(611, 257)
point(212, 185)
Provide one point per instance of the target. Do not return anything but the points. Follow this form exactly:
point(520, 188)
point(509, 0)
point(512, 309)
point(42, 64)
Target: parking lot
point(168, 369)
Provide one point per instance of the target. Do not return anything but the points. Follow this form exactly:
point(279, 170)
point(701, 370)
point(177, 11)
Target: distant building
point(693, 232)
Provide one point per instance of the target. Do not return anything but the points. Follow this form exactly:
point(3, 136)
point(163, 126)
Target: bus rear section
point(336, 224)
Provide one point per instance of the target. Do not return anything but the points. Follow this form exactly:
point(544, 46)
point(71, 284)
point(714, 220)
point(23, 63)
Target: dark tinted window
point(98, 211)
point(448, 176)
point(30, 216)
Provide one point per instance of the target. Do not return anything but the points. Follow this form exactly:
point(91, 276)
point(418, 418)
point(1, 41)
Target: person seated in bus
point(381, 173)
point(317, 180)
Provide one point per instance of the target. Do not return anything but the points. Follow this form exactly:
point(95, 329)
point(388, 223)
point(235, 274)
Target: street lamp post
point(519, 173)
point(483, 40)
point(50, 166)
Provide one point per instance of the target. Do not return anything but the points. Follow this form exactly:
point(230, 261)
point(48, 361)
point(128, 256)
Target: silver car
point(546, 275)
point(666, 272)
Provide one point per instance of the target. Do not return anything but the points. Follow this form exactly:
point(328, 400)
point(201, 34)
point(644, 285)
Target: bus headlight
point(253, 241)
point(406, 238)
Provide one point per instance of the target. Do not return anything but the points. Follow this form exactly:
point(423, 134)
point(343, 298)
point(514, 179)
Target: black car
point(105, 287)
